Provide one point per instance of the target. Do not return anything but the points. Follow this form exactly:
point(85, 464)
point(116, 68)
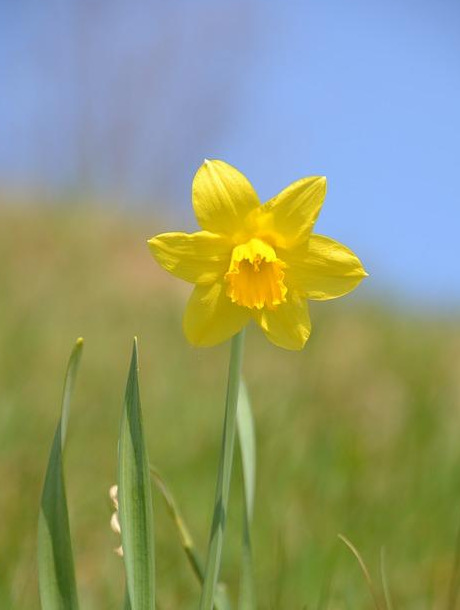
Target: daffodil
point(254, 261)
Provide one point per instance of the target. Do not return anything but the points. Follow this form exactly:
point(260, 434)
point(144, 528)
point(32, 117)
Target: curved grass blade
point(247, 442)
point(221, 600)
point(56, 573)
point(182, 529)
point(364, 570)
point(135, 498)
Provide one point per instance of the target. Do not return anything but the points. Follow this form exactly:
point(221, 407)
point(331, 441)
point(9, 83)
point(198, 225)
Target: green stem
point(224, 475)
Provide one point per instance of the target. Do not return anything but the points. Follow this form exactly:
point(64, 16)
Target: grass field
point(358, 434)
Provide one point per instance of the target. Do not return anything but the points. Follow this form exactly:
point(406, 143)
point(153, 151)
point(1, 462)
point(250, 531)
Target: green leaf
point(181, 527)
point(126, 603)
point(247, 440)
point(135, 499)
point(221, 600)
point(56, 574)
point(385, 585)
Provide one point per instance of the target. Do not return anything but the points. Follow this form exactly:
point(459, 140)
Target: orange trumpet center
point(255, 277)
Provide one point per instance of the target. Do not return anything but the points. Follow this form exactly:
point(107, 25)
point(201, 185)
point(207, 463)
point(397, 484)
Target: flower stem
point(224, 475)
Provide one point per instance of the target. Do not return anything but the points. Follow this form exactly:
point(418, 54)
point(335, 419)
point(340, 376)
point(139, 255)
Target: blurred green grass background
point(358, 434)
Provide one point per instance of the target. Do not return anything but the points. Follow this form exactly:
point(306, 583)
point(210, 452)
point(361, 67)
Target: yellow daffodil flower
point(253, 261)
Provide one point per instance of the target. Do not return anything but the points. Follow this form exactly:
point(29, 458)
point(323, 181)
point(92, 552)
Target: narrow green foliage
point(221, 601)
point(224, 475)
point(181, 527)
point(364, 570)
point(126, 602)
point(247, 441)
point(135, 499)
point(384, 579)
point(56, 574)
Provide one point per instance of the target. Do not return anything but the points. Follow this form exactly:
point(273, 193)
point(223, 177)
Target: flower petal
point(222, 198)
point(200, 257)
point(290, 216)
point(288, 325)
point(322, 269)
point(211, 317)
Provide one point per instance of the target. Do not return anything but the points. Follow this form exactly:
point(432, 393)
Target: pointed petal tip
point(152, 245)
point(317, 179)
point(209, 162)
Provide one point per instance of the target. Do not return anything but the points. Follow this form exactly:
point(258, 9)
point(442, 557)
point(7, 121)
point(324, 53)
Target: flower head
point(253, 261)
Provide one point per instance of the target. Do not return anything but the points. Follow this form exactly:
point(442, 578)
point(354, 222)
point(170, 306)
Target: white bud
point(113, 493)
point(115, 523)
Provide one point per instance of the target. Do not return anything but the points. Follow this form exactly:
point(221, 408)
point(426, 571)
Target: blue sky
point(366, 93)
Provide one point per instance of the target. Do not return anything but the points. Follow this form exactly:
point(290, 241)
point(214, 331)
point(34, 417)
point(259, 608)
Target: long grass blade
point(135, 499)
point(181, 527)
point(364, 570)
point(224, 475)
point(384, 579)
point(126, 602)
point(56, 573)
point(247, 441)
point(221, 600)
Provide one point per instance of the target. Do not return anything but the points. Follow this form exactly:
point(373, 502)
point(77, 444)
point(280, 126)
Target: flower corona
point(255, 278)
